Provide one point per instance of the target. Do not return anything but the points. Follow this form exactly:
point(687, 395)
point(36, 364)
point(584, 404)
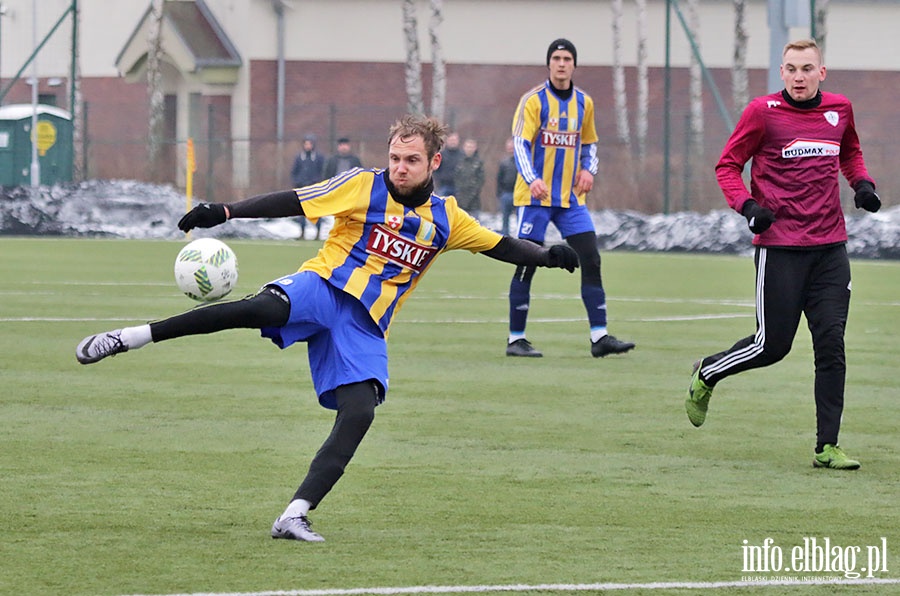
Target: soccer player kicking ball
point(389, 228)
point(799, 139)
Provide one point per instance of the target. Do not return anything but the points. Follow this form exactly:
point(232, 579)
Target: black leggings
point(268, 308)
point(356, 402)
point(356, 411)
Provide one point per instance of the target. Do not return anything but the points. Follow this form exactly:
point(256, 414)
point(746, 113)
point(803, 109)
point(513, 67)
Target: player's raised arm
point(281, 203)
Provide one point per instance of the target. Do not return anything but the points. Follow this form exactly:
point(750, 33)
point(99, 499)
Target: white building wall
point(861, 34)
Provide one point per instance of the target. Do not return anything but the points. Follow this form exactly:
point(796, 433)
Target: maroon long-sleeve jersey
point(797, 152)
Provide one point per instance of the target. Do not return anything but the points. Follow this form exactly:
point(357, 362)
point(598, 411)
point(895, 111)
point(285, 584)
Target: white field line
point(518, 588)
point(500, 320)
point(674, 318)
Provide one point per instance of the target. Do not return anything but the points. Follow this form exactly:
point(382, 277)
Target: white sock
point(296, 508)
point(598, 334)
point(136, 337)
point(515, 336)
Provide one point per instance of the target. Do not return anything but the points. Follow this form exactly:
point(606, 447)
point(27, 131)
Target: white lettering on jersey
point(386, 243)
point(772, 103)
point(810, 148)
point(552, 138)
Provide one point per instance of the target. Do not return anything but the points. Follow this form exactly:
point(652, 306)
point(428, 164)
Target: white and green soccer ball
point(206, 269)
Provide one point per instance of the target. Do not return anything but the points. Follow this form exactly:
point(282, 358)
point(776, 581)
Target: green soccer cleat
point(697, 402)
point(834, 457)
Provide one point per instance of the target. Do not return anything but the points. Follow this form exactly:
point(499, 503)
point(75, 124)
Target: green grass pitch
point(160, 471)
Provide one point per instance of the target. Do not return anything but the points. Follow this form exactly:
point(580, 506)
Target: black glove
point(204, 215)
point(758, 218)
point(562, 256)
point(866, 197)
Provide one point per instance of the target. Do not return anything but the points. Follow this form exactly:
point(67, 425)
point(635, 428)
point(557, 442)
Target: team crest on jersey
point(426, 232)
point(810, 148)
point(395, 222)
point(388, 244)
point(832, 117)
point(553, 122)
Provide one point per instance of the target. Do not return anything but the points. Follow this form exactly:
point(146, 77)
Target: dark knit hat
point(563, 44)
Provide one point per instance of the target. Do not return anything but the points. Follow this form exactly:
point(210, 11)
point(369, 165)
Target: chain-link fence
point(230, 168)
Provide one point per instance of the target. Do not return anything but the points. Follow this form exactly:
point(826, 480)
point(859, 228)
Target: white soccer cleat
point(295, 528)
point(94, 348)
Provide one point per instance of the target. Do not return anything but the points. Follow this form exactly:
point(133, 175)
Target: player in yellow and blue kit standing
point(388, 229)
point(556, 156)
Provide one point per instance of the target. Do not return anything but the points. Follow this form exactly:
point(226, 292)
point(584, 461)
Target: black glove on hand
point(758, 218)
point(562, 256)
point(204, 215)
point(866, 197)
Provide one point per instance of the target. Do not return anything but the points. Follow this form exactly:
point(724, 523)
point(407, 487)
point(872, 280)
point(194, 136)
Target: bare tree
point(154, 83)
point(694, 157)
point(643, 86)
point(413, 61)
point(438, 66)
point(739, 84)
point(820, 15)
point(620, 97)
point(77, 101)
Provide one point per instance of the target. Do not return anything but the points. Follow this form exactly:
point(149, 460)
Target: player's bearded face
point(410, 168)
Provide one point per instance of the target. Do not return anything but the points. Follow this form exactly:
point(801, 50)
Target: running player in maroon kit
point(799, 139)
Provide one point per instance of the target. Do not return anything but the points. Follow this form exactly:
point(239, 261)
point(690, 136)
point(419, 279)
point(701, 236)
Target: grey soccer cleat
point(94, 348)
point(522, 347)
point(295, 528)
point(608, 344)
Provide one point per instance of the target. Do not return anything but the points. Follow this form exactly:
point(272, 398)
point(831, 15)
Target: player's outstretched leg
point(270, 307)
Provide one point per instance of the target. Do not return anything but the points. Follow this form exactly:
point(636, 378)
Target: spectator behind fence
point(444, 175)
point(342, 160)
point(469, 178)
point(308, 169)
point(506, 184)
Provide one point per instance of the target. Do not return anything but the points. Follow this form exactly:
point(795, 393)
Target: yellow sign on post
point(191, 167)
point(46, 136)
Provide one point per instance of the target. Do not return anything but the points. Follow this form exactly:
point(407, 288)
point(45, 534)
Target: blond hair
point(803, 44)
point(433, 133)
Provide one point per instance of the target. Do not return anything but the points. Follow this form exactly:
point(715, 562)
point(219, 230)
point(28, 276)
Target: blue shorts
point(533, 221)
point(344, 343)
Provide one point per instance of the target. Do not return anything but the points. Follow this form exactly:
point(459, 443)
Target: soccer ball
point(206, 269)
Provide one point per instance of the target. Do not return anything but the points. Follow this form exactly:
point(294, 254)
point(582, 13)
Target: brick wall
point(361, 100)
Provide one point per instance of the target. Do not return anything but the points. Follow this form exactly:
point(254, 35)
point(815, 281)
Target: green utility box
point(54, 144)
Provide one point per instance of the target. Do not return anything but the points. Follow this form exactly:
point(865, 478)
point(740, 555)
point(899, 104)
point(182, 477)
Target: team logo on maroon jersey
point(832, 117)
point(563, 139)
point(386, 243)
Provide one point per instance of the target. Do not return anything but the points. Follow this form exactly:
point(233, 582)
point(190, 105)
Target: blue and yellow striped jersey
point(554, 139)
point(378, 248)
